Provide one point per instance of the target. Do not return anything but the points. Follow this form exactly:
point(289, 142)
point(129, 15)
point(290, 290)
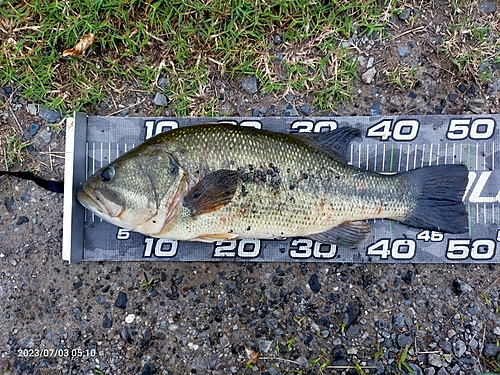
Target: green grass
point(192, 43)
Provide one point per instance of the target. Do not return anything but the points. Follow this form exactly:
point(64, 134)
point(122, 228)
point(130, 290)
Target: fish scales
point(278, 185)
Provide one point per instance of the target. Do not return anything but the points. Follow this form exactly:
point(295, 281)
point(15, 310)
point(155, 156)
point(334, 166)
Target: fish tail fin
point(440, 192)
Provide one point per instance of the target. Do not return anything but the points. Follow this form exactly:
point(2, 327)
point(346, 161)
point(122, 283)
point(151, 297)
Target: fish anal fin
point(212, 192)
point(348, 234)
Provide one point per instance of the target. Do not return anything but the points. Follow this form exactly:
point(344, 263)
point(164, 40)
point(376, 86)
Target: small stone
point(405, 14)
point(107, 322)
point(494, 87)
point(462, 87)
point(314, 283)
point(230, 287)
point(473, 344)
point(277, 39)
point(496, 331)
point(289, 97)
point(255, 112)
point(408, 277)
point(32, 109)
point(442, 371)
point(162, 82)
point(491, 350)
point(289, 110)
point(399, 320)
point(160, 100)
point(27, 342)
point(272, 110)
point(22, 220)
point(404, 340)
point(453, 96)
point(403, 51)
point(25, 197)
point(49, 115)
point(46, 135)
point(127, 334)
point(77, 285)
point(460, 348)
point(10, 205)
point(161, 335)
point(121, 301)
point(305, 110)
point(34, 127)
point(265, 345)
point(369, 75)
point(124, 113)
point(129, 318)
point(370, 62)
point(429, 371)
point(487, 6)
point(461, 287)
point(416, 369)
point(434, 360)
point(249, 85)
point(148, 369)
point(445, 345)
point(376, 109)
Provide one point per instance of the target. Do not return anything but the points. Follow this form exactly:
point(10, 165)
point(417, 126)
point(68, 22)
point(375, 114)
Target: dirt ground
point(228, 318)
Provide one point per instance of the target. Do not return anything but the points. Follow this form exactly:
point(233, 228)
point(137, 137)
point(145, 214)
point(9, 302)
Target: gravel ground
point(236, 318)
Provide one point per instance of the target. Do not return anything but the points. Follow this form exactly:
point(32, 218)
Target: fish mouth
point(101, 201)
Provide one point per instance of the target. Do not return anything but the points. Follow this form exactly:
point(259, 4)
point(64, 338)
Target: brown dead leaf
point(80, 47)
point(251, 355)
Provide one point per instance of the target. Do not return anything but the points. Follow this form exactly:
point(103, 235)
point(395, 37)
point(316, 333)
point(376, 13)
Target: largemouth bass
point(217, 182)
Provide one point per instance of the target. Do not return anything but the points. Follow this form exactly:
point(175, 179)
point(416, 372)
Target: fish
point(218, 182)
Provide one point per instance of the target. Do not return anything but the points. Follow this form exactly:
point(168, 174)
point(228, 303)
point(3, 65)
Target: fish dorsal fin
point(212, 192)
point(348, 234)
point(334, 143)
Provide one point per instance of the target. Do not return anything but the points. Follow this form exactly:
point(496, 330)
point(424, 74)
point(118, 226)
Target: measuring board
point(388, 145)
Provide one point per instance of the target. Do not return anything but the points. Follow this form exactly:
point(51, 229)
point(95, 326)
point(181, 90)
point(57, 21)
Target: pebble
point(10, 205)
point(129, 318)
point(370, 62)
point(434, 359)
point(487, 6)
point(314, 283)
point(376, 109)
point(160, 100)
point(305, 110)
point(405, 14)
point(494, 87)
point(121, 301)
point(496, 331)
point(107, 322)
point(46, 135)
point(265, 345)
point(403, 51)
point(399, 320)
point(461, 287)
point(460, 348)
point(369, 75)
point(249, 85)
point(162, 82)
point(272, 110)
point(289, 110)
point(32, 109)
point(491, 350)
point(49, 115)
point(34, 127)
point(22, 220)
point(277, 39)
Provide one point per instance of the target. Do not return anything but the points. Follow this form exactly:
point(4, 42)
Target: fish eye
point(108, 173)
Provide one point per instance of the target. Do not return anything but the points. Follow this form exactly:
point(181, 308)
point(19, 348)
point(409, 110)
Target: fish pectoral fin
point(348, 234)
point(213, 237)
point(212, 192)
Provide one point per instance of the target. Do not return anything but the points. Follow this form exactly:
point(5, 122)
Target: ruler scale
point(388, 145)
